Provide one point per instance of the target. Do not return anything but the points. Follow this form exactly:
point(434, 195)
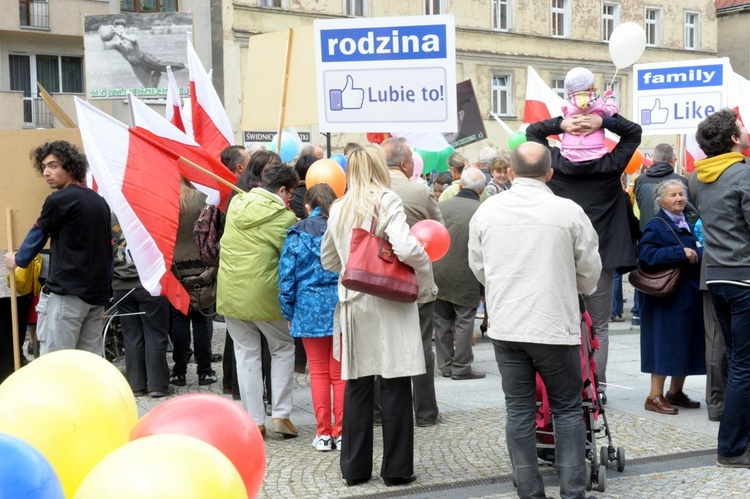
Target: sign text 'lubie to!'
point(674, 97)
point(386, 74)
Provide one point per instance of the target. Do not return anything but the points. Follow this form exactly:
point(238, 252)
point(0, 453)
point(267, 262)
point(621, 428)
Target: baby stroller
point(592, 409)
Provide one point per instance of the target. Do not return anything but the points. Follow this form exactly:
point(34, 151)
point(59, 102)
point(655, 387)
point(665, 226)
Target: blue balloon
point(290, 147)
point(25, 472)
point(340, 159)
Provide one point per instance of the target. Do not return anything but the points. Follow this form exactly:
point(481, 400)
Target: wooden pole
point(211, 174)
point(53, 106)
point(284, 87)
point(13, 300)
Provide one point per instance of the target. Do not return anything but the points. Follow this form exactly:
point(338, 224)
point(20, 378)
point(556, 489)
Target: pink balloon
point(434, 238)
point(418, 166)
point(217, 421)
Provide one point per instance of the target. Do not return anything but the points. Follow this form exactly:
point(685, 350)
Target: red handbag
point(373, 268)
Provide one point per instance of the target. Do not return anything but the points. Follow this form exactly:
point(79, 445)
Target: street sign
point(674, 97)
point(386, 74)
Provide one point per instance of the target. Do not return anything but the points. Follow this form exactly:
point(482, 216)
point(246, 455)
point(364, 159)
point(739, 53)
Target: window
point(501, 15)
point(653, 26)
point(33, 13)
point(610, 19)
point(55, 73)
point(558, 86)
point(432, 7)
point(356, 8)
point(148, 5)
point(616, 87)
point(502, 95)
point(561, 18)
point(691, 30)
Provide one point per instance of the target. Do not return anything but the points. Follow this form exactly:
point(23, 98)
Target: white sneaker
point(337, 443)
point(323, 443)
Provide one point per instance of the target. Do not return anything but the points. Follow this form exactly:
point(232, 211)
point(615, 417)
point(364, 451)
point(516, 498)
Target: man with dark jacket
point(459, 290)
point(595, 186)
point(723, 197)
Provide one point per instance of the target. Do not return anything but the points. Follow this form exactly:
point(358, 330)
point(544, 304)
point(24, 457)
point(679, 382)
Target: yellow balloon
point(163, 467)
point(73, 406)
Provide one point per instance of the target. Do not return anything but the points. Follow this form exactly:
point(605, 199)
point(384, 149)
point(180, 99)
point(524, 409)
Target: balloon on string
point(72, 406)
point(377, 137)
point(217, 421)
point(434, 237)
point(25, 472)
point(290, 146)
point(627, 44)
point(418, 166)
point(636, 161)
point(443, 155)
point(162, 466)
point(429, 160)
point(340, 159)
point(327, 171)
point(516, 139)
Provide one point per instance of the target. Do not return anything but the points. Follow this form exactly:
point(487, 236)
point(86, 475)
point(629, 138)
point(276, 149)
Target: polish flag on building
point(173, 113)
point(211, 126)
point(149, 125)
point(142, 187)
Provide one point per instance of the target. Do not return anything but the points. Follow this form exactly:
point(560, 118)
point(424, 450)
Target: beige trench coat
point(378, 336)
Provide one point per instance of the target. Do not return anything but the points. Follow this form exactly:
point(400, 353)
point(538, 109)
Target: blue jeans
point(617, 299)
point(560, 369)
point(732, 305)
point(202, 330)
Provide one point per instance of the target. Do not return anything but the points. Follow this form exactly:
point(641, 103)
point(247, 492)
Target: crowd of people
point(531, 231)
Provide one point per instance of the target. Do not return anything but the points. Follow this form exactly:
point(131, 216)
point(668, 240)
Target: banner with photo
point(470, 123)
point(132, 51)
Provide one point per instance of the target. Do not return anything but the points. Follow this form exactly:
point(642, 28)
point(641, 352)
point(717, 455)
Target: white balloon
point(627, 44)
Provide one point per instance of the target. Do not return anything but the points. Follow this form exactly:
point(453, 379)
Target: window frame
point(559, 90)
point(692, 30)
point(496, 24)
point(158, 6)
point(430, 4)
point(495, 99)
point(350, 5)
point(614, 18)
point(656, 23)
point(563, 11)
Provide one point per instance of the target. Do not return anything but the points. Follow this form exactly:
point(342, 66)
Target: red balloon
point(327, 171)
point(636, 161)
point(377, 137)
point(434, 238)
point(217, 421)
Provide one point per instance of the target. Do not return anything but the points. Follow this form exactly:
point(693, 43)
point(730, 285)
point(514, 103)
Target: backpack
point(207, 233)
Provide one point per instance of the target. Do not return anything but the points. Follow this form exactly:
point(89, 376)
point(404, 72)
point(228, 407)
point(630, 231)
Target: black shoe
point(390, 482)
point(140, 393)
point(216, 357)
point(470, 375)
point(351, 482)
point(447, 375)
point(435, 421)
point(162, 393)
point(635, 321)
point(177, 380)
point(207, 379)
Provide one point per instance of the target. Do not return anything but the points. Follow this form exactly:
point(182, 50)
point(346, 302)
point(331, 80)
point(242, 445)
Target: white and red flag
point(542, 103)
point(211, 126)
point(149, 125)
point(141, 184)
point(173, 112)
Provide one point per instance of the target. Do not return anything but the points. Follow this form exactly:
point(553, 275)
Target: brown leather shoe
point(682, 400)
point(659, 404)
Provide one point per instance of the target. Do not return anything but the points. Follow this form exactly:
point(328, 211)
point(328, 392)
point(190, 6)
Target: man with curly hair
point(723, 197)
point(77, 221)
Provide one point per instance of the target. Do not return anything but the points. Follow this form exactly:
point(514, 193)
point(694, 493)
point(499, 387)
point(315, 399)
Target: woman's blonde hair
point(366, 178)
point(457, 161)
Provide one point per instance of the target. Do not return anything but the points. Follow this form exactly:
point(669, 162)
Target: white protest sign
point(674, 97)
point(384, 74)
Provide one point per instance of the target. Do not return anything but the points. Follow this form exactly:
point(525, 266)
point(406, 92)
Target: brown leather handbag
point(659, 283)
point(373, 268)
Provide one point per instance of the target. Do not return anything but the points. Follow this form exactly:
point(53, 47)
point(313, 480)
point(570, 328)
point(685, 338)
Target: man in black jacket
point(595, 186)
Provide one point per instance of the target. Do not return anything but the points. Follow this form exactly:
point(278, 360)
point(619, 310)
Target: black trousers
point(7, 365)
point(398, 428)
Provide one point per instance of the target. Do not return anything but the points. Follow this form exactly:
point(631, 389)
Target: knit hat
point(578, 79)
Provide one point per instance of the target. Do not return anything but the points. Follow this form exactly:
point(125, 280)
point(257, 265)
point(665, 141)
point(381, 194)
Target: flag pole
point(284, 87)
point(53, 106)
point(165, 149)
point(13, 299)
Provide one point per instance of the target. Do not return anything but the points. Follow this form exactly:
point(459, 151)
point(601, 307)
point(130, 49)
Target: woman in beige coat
point(378, 336)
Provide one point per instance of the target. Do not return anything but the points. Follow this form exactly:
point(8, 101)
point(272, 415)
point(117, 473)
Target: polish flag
point(142, 187)
point(211, 126)
point(149, 125)
point(173, 112)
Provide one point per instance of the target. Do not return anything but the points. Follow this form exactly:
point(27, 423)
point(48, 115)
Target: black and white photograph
point(470, 126)
point(132, 51)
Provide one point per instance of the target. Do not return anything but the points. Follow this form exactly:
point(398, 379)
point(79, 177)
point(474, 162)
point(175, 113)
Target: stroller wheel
point(620, 459)
point(603, 455)
point(601, 482)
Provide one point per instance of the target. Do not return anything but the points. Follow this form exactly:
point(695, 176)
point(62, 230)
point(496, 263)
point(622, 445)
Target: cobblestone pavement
point(465, 456)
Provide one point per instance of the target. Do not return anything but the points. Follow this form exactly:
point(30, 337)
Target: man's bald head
point(530, 160)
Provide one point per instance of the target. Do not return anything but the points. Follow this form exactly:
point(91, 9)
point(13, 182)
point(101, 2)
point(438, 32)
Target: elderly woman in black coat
point(672, 334)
